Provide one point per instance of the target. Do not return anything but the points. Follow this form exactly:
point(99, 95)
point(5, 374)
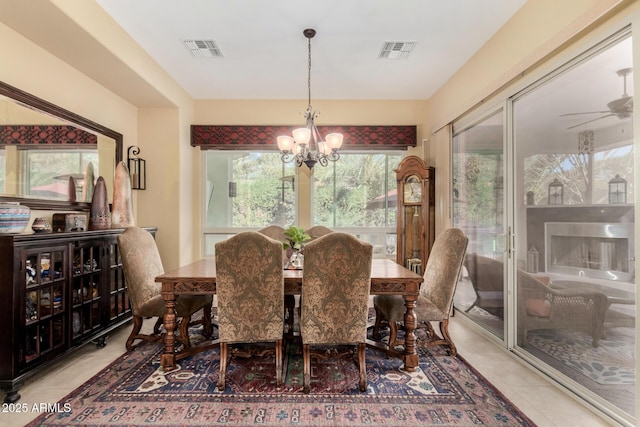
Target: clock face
point(413, 190)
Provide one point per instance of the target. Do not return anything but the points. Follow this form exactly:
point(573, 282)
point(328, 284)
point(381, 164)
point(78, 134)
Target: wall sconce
point(556, 190)
point(618, 190)
point(137, 168)
point(233, 189)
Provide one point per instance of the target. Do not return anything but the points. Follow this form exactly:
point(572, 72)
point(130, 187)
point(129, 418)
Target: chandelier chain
point(309, 72)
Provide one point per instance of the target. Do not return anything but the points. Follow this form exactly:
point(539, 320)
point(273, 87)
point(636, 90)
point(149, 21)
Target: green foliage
point(296, 236)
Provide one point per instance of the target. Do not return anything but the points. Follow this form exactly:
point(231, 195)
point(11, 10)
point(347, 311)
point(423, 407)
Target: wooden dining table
point(387, 278)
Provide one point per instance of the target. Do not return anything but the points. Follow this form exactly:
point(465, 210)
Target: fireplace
point(597, 250)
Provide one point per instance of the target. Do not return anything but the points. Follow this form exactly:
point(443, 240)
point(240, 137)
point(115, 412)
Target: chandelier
point(306, 144)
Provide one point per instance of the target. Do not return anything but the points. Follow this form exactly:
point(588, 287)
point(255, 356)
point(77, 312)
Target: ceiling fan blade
point(589, 121)
point(586, 112)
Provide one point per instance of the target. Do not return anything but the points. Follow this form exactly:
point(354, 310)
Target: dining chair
point(141, 264)
point(335, 293)
point(435, 301)
point(276, 232)
point(250, 291)
point(318, 231)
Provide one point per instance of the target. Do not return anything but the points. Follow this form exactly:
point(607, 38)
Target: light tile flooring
point(544, 403)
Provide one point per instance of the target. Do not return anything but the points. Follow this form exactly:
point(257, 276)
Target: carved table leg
point(410, 320)
point(168, 359)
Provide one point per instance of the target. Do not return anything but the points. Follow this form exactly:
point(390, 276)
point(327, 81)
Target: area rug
point(134, 391)
point(612, 362)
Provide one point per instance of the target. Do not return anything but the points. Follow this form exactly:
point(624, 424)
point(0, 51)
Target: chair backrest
point(443, 268)
point(486, 274)
point(250, 288)
point(335, 290)
point(141, 264)
point(275, 232)
point(318, 231)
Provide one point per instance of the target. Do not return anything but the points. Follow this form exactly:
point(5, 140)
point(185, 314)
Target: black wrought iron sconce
point(556, 190)
point(137, 168)
point(618, 190)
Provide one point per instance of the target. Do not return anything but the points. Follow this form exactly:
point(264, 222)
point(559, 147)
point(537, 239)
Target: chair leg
point(156, 327)
point(207, 329)
point(137, 325)
point(393, 334)
point(184, 331)
point(306, 357)
point(279, 362)
point(223, 365)
point(444, 330)
point(289, 308)
point(362, 366)
point(376, 326)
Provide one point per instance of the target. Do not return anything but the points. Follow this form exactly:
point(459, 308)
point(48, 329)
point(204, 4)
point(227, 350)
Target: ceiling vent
point(203, 48)
point(396, 50)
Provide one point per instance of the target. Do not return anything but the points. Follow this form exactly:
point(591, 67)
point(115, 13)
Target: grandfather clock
point(416, 213)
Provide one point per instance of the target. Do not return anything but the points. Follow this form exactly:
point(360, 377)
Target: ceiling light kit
point(299, 147)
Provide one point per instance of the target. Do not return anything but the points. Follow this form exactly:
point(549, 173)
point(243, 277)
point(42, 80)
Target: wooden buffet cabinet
point(58, 291)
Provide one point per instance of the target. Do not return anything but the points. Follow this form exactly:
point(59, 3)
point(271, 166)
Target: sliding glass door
point(550, 170)
point(478, 209)
point(574, 222)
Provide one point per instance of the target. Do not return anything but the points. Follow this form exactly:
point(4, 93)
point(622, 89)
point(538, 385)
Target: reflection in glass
point(478, 197)
point(564, 133)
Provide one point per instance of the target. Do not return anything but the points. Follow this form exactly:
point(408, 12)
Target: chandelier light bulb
point(334, 141)
point(301, 135)
point(285, 143)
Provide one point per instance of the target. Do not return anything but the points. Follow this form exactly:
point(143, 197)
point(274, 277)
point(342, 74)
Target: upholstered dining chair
point(250, 290)
point(318, 231)
point(141, 263)
point(276, 232)
point(335, 294)
point(435, 301)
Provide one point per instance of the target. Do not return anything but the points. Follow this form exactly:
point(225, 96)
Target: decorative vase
point(13, 217)
point(88, 185)
point(296, 260)
point(99, 216)
point(122, 211)
point(41, 225)
point(72, 189)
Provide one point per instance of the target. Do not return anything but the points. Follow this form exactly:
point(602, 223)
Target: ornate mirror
point(49, 154)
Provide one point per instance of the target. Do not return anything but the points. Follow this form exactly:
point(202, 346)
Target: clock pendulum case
point(416, 213)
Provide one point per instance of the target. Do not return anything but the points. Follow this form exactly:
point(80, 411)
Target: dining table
point(198, 278)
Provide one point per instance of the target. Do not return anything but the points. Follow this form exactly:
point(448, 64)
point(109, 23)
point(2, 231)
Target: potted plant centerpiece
point(296, 237)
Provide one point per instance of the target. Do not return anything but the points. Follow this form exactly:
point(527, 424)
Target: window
point(248, 190)
point(47, 172)
point(358, 194)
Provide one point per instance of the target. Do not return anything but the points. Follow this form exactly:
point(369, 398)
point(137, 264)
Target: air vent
point(396, 50)
point(203, 48)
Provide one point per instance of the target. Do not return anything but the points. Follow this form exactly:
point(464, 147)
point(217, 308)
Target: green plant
point(296, 236)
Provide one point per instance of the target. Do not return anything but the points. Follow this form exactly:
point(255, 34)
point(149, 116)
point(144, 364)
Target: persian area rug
point(134, 391)
point(612, 362)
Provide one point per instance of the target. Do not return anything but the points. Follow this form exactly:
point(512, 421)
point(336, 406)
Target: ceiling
point(264, 52)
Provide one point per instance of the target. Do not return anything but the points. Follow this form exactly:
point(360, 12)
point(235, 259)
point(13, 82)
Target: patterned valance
point(45, 135)
point(209, 137)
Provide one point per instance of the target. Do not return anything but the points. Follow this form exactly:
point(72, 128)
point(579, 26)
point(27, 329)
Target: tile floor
point(540, 400)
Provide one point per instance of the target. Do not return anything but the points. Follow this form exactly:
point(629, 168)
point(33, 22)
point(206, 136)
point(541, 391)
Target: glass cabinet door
point(45, 275)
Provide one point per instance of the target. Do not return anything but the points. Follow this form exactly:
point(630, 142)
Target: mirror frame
point(59, 112)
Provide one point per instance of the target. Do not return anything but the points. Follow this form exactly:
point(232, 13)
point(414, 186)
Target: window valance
point(45, 135)
point(210, 137)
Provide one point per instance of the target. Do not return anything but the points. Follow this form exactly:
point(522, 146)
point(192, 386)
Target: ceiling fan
point(621, 107)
